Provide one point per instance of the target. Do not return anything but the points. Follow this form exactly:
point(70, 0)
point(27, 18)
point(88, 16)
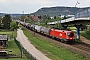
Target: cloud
point(27, 1)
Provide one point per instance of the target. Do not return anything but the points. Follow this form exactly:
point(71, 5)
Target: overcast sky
point(30, 6)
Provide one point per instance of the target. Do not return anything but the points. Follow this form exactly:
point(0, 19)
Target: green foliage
point(22, 18)
point(64, 17)
point(86, 34)
point(88, 31)
point(48, 19)
point(6, 21)
point(57, 26)
point(45, 22)
point(13, 25)
point(15, 33)
point(73, 28)
point(55, 17)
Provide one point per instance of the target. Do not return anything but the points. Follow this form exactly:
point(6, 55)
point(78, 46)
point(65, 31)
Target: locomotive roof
point(61, 30)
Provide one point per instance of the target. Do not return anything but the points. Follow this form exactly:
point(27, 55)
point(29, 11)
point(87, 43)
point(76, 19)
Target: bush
point(88, 31)
point(73, 28)
point(86, 34)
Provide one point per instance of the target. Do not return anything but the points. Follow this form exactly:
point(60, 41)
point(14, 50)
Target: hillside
point(55, 11)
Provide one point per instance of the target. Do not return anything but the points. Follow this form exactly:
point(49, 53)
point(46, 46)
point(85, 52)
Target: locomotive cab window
point(70, 34)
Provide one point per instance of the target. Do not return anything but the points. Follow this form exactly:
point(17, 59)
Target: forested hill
point(55, 11)
point(52, 11)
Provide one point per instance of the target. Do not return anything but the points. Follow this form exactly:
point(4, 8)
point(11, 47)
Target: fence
point(27, 54)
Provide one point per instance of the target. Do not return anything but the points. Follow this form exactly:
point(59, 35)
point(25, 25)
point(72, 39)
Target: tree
point(6, 21)
point(13, 26)
point(55, 17)
point(48, 17)
point(65, 17)
point(22, 18)
point(40, 17)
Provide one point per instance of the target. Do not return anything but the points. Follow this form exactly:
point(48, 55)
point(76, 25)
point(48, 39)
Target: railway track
point(82, 46)
point(78, 47)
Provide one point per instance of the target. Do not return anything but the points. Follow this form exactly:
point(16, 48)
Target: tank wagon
point(38, 28)
point(45, 30)
point(32, 27)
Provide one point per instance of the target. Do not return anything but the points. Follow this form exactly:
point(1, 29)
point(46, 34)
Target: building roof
point(3, 37)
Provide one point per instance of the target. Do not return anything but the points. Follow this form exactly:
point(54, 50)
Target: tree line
point(7, 23)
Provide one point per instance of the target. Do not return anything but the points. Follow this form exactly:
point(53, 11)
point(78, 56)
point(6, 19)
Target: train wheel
point(53, 37)
point(66, 42)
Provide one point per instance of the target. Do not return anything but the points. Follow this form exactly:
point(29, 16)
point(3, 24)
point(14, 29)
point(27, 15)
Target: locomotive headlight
point(60, 34)
point(67, 38)
point(70, 38)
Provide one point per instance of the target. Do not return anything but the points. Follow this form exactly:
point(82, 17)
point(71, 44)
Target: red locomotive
point(64, 35)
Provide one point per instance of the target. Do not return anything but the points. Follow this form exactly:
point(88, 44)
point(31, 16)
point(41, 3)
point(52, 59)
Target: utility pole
point(77, 25)
point(23, 16)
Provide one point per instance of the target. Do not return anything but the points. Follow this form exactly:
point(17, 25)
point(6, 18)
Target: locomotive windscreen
point(70, 34)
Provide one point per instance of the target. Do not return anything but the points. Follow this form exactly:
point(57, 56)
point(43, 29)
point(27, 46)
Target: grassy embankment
point(12, 46)
point(51, 50)
point(85, 35)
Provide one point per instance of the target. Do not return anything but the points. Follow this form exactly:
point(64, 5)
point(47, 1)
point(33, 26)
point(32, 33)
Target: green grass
point(14, 33)
point(51, 50)
point(12, 46)
point(85, 35)
point(6, 32)
point(9, 32)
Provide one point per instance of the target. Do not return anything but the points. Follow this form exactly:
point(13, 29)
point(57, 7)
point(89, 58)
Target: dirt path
point(29, 47)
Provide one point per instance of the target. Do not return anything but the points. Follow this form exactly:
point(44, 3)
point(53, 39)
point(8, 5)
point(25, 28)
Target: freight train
point(62, 35)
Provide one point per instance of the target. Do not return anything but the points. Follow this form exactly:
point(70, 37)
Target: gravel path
point(29, 47)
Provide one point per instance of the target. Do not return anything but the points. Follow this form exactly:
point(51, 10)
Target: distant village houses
point(35, 18)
